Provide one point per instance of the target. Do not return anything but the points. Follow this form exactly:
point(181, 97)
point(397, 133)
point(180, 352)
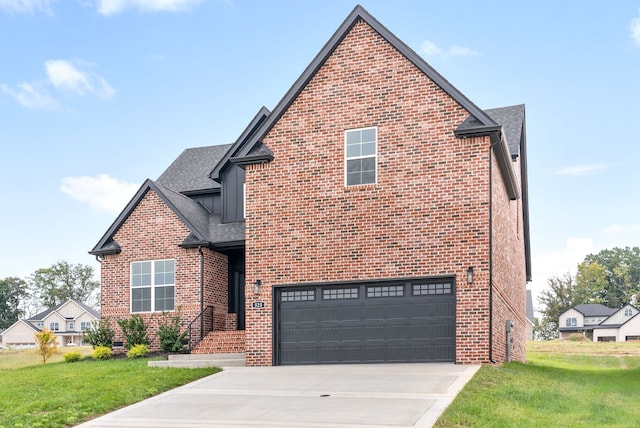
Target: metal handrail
point(200, 326)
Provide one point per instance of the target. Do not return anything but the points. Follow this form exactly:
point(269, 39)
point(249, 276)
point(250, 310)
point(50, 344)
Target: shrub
point(135, 331)
point(138, 351)
point(72, 356)
point(46, 344)
point(577, 337)
point(100, 334)
point(101, 353)
point(171, 339)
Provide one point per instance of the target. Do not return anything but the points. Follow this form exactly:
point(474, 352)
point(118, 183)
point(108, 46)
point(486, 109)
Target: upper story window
point(85, 325)
point(572, 322)
point(628, 312)
point(360, 156)
point(54, 326)
point(152, 286)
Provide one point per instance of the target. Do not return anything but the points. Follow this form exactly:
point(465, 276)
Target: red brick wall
point(509, 276)
point(154, 232)
point(428, 214)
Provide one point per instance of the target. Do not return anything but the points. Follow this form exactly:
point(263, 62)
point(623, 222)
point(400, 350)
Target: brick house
point(375, 215)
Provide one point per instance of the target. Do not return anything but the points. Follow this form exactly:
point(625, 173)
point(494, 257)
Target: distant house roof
point(42, 315)
point(594, 310)
point(189, 173)
point(529, 311)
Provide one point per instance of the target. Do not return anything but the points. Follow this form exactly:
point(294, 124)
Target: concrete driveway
point(330, 396)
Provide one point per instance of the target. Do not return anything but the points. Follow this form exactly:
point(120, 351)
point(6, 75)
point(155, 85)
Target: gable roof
point(204, 228)
point(189, 173)
point(594, 310)
point(248, 132)
point(42, 315)
point(22, 321)
point(482, 120)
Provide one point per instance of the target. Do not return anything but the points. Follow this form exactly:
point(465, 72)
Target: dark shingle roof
point(42, 315)
point(205, 228)
point(190, 171)
point(594, 310)
point(512, 119)
point(529, 311)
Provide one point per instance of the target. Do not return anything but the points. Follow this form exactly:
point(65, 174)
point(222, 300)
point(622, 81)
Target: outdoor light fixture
point(470, 275)
point(256, 286)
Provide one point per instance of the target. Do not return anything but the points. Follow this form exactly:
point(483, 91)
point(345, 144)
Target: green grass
point(65, 394)
point(555, 388)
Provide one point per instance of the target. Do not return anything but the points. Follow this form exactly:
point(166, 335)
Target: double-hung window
point(54, 326)
point(360, 156)
point(152, 286)
point(572, 322)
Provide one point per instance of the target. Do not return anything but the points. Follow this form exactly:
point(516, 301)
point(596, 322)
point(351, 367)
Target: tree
point(558, 298)
point(63, 281)
point(621, 269)
point(46, 344)
point(12, 292)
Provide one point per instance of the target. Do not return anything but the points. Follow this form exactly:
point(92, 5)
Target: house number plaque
point(258, 305)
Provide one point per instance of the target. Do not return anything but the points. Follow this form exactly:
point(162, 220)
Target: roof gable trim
point(107, 245)
point(359, 13)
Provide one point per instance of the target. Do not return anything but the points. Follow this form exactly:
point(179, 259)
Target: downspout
point(491, 246)
point(201, 291)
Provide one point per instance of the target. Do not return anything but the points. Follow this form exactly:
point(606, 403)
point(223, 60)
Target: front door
point(236, 287)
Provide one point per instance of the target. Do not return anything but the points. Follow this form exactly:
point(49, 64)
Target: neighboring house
point(600, 323)
point(375, 215)
point(67, 320)
point(531, 321)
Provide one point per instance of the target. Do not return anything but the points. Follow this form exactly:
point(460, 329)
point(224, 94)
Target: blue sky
point(96, 96)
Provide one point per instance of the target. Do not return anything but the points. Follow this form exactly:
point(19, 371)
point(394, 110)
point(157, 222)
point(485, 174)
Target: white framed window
point(70, 325)
point(85, 325)
point(628, 312)
point(152, 286)
point(360, 156)
point(54, 326)
point(572, 322)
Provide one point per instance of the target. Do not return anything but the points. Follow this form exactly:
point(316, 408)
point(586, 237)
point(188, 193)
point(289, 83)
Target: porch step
point(221, 342)
point(202, 360)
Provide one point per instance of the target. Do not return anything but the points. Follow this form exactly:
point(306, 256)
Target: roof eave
point(251, 159)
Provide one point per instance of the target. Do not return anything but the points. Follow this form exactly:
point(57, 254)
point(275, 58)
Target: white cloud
point(635, 29)
point(580, 170)
point(430, 49)
point(103, 193)
point(30, 95)
point(64, 76)
point(67, 77)
point(26, 6)
point(558, 262)
point(110, 7)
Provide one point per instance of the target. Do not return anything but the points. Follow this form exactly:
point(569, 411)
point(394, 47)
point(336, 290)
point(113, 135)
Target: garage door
point(403, 321)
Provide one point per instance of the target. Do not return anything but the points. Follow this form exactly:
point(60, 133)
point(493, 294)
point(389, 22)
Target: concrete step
point(201, 360)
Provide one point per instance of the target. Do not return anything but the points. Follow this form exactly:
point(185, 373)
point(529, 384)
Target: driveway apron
point(328, 396)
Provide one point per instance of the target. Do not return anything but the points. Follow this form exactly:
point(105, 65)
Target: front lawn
point(563, 384)
point(65, 394)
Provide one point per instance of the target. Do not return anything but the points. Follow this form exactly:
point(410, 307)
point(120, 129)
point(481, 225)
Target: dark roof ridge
point(162, 192)
point(251, 128)
point(359, 13)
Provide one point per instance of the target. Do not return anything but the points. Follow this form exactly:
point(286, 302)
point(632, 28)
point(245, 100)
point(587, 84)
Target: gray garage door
point(404, 321)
